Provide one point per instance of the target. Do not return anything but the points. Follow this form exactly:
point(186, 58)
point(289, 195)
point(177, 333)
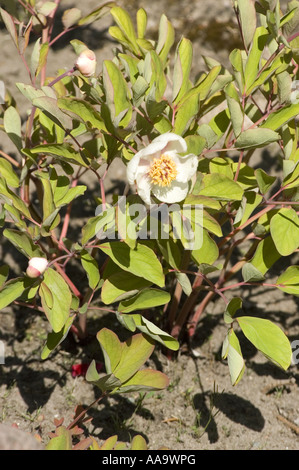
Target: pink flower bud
point(36, 267)
point(86, 63)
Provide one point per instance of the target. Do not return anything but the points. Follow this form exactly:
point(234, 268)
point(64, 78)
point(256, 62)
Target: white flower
point(36, 267)
point(160, 170)
point(86, 63)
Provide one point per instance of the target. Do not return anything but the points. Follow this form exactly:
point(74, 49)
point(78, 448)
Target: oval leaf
point(140, 261)
point(284, 228)
point(267, 338)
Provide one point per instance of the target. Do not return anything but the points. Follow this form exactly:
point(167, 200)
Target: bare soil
point(200, 409)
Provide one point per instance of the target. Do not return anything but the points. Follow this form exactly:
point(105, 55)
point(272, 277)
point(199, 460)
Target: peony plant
point(187, 146)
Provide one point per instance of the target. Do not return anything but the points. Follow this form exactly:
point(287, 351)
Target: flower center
point(163, 171)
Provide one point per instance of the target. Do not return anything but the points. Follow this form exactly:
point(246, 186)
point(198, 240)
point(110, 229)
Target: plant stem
point(67, 216)
point(83, 413)
point(10, 159)
point(65, 74)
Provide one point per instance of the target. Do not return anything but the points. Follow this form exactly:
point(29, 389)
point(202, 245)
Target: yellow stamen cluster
point(163, 171)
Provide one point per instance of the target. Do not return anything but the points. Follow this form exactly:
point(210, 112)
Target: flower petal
point(136, 166)
point(176, 192)
point(144, 187)
point(172, 142)
point(186, 167)
point(154, 148)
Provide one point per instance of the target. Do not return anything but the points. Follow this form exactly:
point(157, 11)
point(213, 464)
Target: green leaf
point(259, 137)
point(140, 261)
point(120, 285)
point(34, 59)
point(251, 274)
point(139, 88)
point(29, 91)
point(96, 226)
point(83, 111)
point(56, 299)
point(111, 347)
point(48, 203)
point(124, 359)
point(63, 440)
point(232, 307)
point(71, 17)
point(182, 68)
point(221, 187)
point(184, 281)
point(194, 199)
point(170, 251)
point(238, 59)
point(55, 338)
point(71, 194)
point(195, 144)
point(209, 223)
point(284, 228)
point(232, 351)
point(91, 267)
point(288, 281)
point(166, 38)
point(78, 46)
point(204, 88)
point(130, 64)
point(264, 180)
point(12, 199)
point(8, 174)
point(145, 380)
point(147, 298)
point(250, 201)
point(4, 271)
point(124, 22)
point(106, 382)
point(208, 253)
point(109, 443)
point(247, 13)
point(117, 94)
point(23, 242)
point(138, 443)
point(64, 152)
point(12, 126)
point(278, 118)
point(267, 338)
point(252, 66)
point(135, 351)
point(223, 166)
point(49, 106)
point(11, 291)
point(154, 75)
point(10, 26)
point(141, 20)
point(96, 14)
point(43, 55)
point(185, 114)
point(265, 255)
point(235, 109)
point(136, 320)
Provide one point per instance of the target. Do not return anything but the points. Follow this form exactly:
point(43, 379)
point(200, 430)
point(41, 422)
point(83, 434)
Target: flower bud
point(36, 267)
point(86, 63)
